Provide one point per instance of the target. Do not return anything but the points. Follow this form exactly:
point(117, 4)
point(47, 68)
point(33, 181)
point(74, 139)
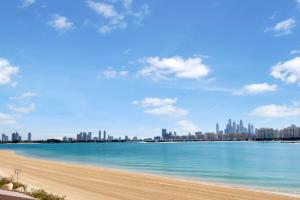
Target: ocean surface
point(269, 166)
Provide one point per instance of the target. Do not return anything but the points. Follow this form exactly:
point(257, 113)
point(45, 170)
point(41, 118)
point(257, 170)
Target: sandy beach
point(94, 183)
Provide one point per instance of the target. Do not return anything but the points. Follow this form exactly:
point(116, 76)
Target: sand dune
point(94, 183)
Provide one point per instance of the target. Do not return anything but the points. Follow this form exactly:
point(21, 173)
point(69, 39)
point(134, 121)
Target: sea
point(271, 166)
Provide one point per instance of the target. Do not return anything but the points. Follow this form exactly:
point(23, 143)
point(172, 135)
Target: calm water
point(270, 166)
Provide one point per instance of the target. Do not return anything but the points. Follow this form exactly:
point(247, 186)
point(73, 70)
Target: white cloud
point(276, 111)
point(104, 9)
point(256, 88)
point(283, 28)
point(60, 23)
point(158, 106)
point(22, 109)
point(108, 11)
point(169, 110)
point(111, 73)
point(162, 68)
point(7, 71)
point(155, 102)
point(27, 3)
point(25, 95)
point(7, 119)
point(116, 19)
point(295, 51)
point(288, 71)
point(185, 125)
point(123, 73)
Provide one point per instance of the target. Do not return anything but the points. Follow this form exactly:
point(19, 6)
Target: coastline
point(91, 182)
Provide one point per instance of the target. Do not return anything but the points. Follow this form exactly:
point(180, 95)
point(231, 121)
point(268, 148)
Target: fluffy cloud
point(283, 28)
point(158, 106)
point(275, 111)
point(60, 23)
point(22, 109)
point(7, 119)
point(111, 73)
point(25, 95)
point(7, 71)
point(116, 19)
point(162, 68)
point(27, 3)
point(156, 102)
point(256, 88)
point(167, 110)
point(185, 125)
point(288, 71)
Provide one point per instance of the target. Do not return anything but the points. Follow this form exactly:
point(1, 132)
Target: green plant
point(5, 180)
point(43, 195)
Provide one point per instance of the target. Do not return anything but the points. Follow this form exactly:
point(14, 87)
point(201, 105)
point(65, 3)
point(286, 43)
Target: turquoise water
point(268, 166)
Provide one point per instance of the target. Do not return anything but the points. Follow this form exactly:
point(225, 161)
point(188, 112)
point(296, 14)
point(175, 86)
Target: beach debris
point(20, 189)
point(8, 186)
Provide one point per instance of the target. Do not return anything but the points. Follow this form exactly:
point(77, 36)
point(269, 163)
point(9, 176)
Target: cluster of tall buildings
point(233, 127)
point(289, 133)
point(15, 137)
point(88, 136)
point(245, 134)
point(101, 137)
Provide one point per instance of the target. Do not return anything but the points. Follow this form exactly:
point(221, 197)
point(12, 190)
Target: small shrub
point(43, 195)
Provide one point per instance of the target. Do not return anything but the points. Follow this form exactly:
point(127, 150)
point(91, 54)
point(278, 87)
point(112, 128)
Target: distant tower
point(229, 126)
point(104, 135)
point(29, 137)
point(164, 133)
point(99, 135)
point(234, 127)
point(241, 126)
point(217, 128)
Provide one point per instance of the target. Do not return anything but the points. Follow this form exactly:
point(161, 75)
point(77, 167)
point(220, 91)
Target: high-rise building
point(29, 137)
point(241, 126)
point(15, 137)
point(164, 133)
point(84, 136)
point(4, 137)
point(89, 136)
point(104, 135)
point(99, 136)
point(233, 128)
point(217, 128)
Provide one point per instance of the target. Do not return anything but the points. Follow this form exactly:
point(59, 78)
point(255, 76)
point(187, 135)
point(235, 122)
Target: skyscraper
point(29, 137)
point(89, 136)
point(164, 133)
point(4, 138)
point(99, 137)
point(104, 135)
point(217, 128)
point(15, 137)
point(233, 128)
point(241, 126)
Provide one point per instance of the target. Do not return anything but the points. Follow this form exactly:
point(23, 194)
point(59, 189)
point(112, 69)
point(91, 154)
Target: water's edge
point(178, 177)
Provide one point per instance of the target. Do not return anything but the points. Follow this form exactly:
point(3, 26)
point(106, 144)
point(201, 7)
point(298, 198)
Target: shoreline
point(57, 170)
point(156, 174)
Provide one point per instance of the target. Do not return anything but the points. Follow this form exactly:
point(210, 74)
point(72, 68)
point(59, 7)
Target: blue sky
point(134, 67)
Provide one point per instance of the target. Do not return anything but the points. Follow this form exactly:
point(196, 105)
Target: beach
point(93, 183)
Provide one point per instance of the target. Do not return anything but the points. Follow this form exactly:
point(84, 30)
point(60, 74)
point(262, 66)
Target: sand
point(95, 183)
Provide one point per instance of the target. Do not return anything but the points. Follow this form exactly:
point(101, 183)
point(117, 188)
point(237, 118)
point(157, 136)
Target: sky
point(133, 67)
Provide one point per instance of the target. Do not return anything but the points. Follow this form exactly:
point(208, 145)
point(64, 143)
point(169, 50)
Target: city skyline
point(134, 67)
point(232, 131)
